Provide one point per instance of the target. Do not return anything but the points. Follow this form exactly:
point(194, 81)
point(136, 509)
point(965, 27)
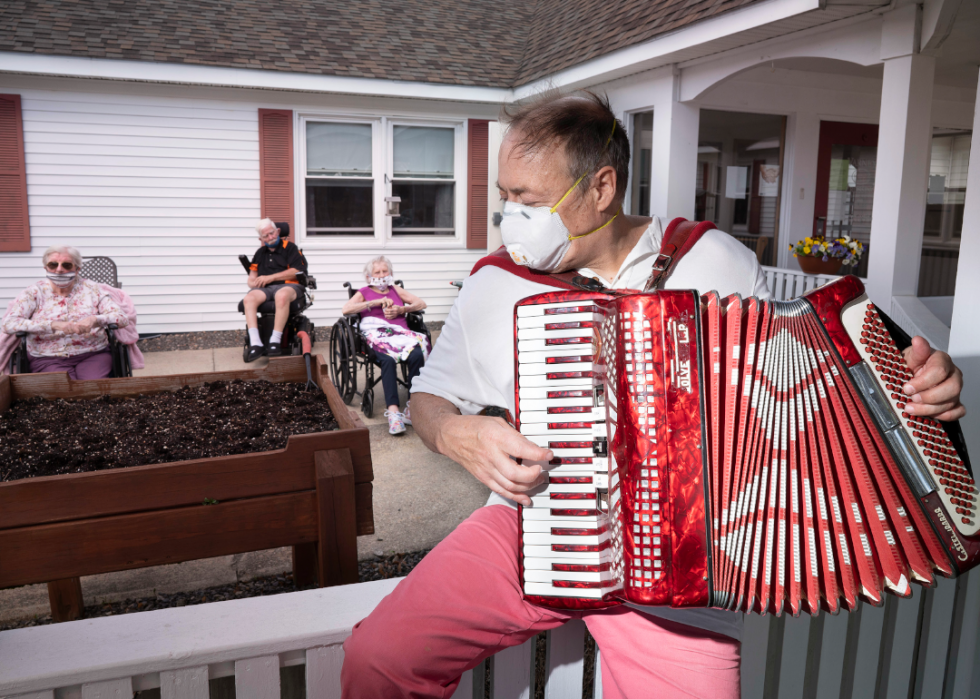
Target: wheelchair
point(103, 271)
point(349, 351)
point(297, 322)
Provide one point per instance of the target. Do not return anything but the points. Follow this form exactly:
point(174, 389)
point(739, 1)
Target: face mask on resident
point(273, 243)
point(382, 282)
point(62, 280)
point(536, 237)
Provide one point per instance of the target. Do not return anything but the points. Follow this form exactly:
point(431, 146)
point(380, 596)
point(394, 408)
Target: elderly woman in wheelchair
point(67, 319)
point(383, 307)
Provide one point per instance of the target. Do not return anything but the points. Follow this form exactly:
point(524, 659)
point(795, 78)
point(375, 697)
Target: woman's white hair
point(75, 255)
point(369, 267)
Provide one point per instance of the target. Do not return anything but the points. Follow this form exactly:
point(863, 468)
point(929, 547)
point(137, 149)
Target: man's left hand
point(262, 281)
point(934, 390)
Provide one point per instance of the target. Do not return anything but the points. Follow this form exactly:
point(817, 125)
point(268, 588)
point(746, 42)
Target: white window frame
point(382, 164)
point(377, 178)
point(460, 153)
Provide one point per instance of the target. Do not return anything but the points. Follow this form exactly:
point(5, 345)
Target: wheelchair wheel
point(343, 360)
point(367, 403)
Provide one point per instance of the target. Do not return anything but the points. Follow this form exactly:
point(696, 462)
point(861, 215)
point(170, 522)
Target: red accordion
point(732, 453)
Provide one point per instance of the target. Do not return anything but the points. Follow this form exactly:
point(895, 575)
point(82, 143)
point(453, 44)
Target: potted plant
point(820, 256)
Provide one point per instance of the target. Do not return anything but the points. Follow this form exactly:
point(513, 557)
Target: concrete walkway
point(419, 498)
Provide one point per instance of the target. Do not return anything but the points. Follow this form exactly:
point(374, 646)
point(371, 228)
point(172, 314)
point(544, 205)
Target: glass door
point(846, 159)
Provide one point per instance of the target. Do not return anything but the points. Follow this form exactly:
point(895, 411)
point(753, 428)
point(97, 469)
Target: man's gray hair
point(369, 267)
point(75, 255)
point(263, 224)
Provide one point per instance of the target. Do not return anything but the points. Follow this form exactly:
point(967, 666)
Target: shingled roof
point(460, 42)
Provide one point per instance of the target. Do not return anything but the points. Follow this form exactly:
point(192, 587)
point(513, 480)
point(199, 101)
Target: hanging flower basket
point(820, 256)
point(815, 265)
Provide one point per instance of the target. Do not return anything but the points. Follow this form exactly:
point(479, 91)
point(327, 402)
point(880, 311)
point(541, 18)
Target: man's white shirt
point(472, 363)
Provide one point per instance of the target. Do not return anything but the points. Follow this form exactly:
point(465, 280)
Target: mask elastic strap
point(572, 188)
point(576, 237)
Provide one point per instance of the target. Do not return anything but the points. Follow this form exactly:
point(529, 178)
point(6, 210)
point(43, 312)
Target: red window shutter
point(477, 184)
point(15, 227)
point(276, 165)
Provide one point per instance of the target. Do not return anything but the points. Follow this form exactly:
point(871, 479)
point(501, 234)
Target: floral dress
point(39, 305)
point(391, 337)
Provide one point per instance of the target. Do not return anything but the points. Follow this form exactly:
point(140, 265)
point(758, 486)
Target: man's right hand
point(482, 445)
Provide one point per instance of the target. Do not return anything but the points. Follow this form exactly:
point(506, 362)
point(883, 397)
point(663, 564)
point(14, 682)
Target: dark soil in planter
point(41, 437)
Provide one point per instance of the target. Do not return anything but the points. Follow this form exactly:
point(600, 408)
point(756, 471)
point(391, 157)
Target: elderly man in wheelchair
point(277, 276)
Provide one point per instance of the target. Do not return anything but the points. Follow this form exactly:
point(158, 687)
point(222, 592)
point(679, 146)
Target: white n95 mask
point(535, 237)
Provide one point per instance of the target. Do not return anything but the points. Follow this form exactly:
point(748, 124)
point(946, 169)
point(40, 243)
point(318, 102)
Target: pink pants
point(82, 367)
point(463, 603)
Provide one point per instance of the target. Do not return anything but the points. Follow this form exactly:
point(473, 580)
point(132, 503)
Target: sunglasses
point(67, 266)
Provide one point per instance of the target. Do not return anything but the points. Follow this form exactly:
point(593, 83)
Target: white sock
point(254, 338)
point(275, 337)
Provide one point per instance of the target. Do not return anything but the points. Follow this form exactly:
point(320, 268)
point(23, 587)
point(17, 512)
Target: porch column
point(901, 178)
point(674, 153)
point(964, 331)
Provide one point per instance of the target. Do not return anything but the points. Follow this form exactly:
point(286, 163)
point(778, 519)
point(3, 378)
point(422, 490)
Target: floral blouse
point(39, 305)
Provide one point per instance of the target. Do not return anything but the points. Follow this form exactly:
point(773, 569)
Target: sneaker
point(274, 350)
point(396, 422)
point(406, 416)
point(254, 352)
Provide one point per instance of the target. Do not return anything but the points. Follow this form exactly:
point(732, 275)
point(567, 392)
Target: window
point(739, 177)
point(945, 203)
point(642, 167)
point(946, 197)
point(423, 176)
point(339, 179)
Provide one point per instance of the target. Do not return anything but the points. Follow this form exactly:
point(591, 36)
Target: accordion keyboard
point(565, 534)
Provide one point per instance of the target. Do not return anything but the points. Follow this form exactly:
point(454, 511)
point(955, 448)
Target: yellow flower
point(807, 249)
point(808, 241)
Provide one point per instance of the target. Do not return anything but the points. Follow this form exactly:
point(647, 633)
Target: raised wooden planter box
point(314, 495)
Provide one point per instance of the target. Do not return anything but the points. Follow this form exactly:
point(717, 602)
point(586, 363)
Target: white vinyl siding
point(168, 188)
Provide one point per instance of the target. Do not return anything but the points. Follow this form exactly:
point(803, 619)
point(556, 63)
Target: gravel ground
point(378, 568)
point(215, 339)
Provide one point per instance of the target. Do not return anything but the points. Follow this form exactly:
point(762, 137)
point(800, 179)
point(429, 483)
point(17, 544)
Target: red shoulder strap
point(500, 258)
point(679, 238)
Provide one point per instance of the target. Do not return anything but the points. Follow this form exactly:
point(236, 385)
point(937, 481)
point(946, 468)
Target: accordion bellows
point(732, 453)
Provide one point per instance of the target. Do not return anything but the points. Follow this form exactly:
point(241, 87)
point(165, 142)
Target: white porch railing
point(925, 648)
point(786, 284)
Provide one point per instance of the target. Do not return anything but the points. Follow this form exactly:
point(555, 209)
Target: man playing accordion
point(563, 171)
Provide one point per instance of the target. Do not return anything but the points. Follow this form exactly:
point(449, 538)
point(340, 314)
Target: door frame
point(831, 133)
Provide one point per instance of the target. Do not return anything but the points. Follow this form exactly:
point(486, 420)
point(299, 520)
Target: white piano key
point(545, 526)
point(547, 539)
point(541, 347)
point(538, 309)
point(539, 333)
point(541, 321)
point(545, 501)
point(542, 441)
point(585, 402)
point(547, 590)
point(565, 488)
point(548, 576)
point(584, 557)
point(529, 417)
point(542, 369)
point(541, 392)
point(569, 452)
point(534, 563)
point(543, 513)
point(541, 380)
point(571, 434)
point(541, 356)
